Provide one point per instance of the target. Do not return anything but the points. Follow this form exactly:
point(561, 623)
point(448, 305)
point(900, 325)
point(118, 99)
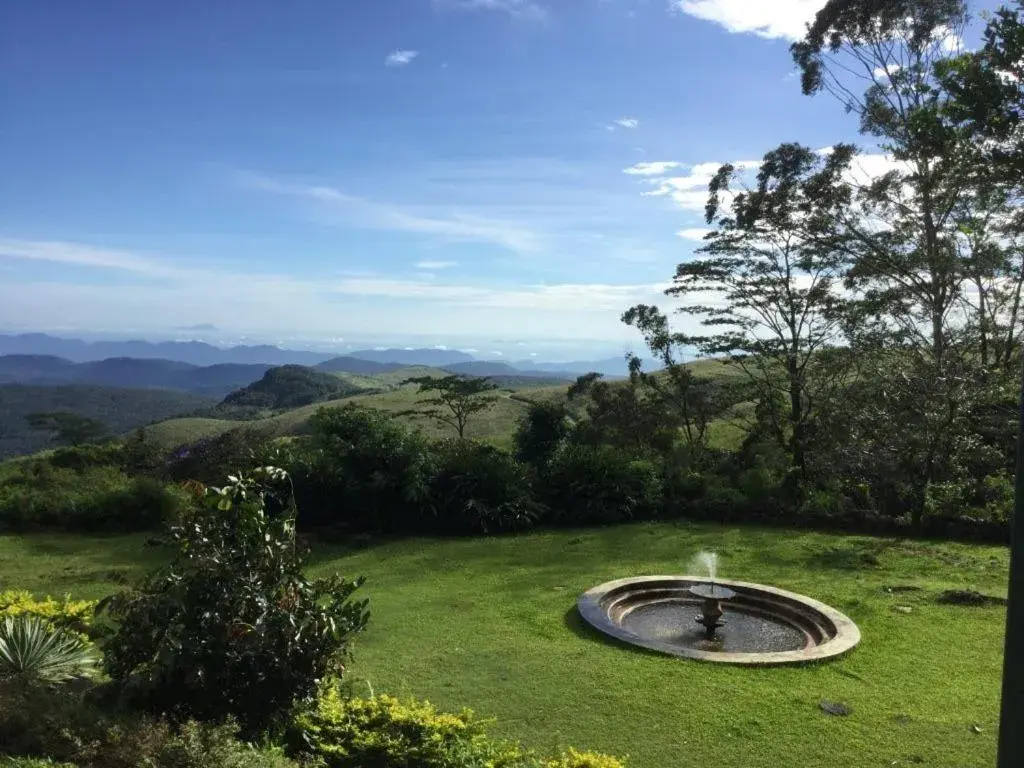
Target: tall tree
point(766, 285)
point(879, 57)
point(691, 402)
point(456, 398)
point(987, 102)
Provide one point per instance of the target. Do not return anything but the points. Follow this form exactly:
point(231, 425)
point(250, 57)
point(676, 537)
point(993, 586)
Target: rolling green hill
point(496, 425)
point(385, 391)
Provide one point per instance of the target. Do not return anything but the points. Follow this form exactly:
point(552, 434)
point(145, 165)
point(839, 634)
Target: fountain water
point(711, 609)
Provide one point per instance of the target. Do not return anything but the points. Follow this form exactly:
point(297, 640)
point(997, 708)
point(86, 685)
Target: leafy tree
point(232, 627)
point(363, 469)
point(541, 430)
point(675, 384)
point(772, 266)
point(907, 258)
point(987, 103)
point(68, 428)
point(904, 426)
point(477, 488)
point(457, 399)
point(620, 414)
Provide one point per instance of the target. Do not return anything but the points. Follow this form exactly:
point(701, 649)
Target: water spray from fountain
point(711, 610)
point(707, 562)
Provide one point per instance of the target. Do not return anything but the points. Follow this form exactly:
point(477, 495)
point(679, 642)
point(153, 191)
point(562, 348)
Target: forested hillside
point(119, 410)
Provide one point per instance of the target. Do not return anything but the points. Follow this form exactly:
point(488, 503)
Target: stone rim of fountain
point(839, 632)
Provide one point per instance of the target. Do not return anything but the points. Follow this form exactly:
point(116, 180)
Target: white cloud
point(354, 211)
point(629, 123)
point(428, 264)
point(311, 304)
point(658, 168)
point(770, 19)
point(400, 58)
point(524, 10)
point(694, 233)
point(690, 191)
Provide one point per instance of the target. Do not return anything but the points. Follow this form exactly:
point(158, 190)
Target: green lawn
point(490, 624)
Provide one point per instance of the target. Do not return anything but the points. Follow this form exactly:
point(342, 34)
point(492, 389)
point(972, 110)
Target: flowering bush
point(382, 732)
point(63, 614)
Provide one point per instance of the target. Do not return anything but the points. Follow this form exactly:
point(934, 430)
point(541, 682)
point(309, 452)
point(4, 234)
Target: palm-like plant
point(31, 647)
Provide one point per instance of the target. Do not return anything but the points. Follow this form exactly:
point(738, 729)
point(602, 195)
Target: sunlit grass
point(491, 624)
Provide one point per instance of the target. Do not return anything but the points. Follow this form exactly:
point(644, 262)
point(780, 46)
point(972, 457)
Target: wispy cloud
point(657, 168)
point(312, 303)
point(400, 58)
point(525, 10)
point(786, 19)
point(623, 122)
point(429, 264)
point(75, 254)
point(359, 212)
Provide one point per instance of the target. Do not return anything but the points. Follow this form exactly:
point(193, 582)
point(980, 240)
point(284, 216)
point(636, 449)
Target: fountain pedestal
point(711, 609)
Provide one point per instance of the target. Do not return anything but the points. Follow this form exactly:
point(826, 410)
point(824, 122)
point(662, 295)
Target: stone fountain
point(738, 622)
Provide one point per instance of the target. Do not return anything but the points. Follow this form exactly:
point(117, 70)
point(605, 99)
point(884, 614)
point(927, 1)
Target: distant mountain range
point(201, 354)
point(213, 381)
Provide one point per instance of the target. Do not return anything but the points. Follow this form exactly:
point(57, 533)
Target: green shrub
point(479, 488)
point(33, 649)
point(36, 494)
point(70, 727)
point(81, 457)
point(997, 497)
point(383, 732)
point(211, 459)
point(31, 762)
point(231, 627)
point(542, 429)
point(600, 484)
point(363, 470)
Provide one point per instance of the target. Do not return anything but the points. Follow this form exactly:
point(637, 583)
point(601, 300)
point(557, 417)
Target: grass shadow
point(848, 556)
point(575, 624)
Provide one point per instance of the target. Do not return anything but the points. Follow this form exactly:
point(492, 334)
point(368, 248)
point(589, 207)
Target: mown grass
point(491, 624)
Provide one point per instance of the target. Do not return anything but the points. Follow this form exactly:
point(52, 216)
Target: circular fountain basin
point(762, 625)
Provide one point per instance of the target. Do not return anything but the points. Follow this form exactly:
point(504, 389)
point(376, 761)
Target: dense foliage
point(360, 469)
point(74, 728)
point(231, 627)
point(68, 491)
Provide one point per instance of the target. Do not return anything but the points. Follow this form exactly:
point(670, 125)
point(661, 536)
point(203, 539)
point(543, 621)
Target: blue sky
point(508, 174)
